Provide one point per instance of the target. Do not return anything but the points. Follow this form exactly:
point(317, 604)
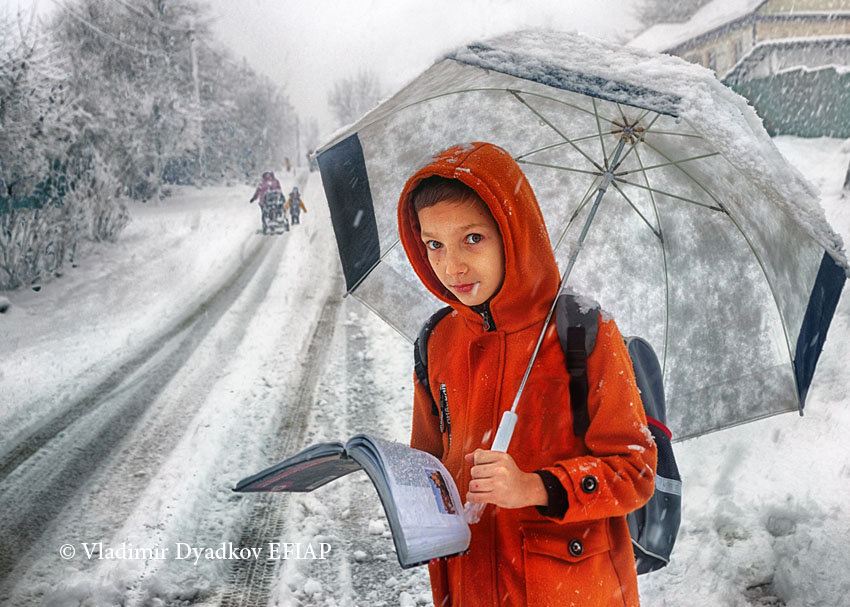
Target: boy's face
point(464, 248)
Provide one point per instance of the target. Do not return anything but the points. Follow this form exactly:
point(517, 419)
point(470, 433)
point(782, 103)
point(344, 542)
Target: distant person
point(270, 197)
point(295, 205)
point(268, 182)
point(288, 165)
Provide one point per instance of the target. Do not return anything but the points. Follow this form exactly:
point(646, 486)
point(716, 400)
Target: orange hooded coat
point(519, 556)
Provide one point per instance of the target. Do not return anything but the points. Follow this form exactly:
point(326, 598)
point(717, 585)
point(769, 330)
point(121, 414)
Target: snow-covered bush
point(55, 189)
point(98, 213)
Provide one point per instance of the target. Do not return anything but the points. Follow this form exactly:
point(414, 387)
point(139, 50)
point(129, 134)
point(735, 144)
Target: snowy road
point(136, 390)
point(137, 445)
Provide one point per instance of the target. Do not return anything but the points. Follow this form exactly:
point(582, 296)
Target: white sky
point(306, 45)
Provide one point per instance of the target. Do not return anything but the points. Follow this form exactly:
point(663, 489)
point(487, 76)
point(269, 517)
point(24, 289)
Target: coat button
point(589, 484)
point(575, 547)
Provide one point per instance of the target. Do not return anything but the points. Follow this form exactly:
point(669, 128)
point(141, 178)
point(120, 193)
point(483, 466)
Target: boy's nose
point(455, 263)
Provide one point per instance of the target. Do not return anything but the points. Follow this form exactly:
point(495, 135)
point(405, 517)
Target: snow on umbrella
point(701, 238)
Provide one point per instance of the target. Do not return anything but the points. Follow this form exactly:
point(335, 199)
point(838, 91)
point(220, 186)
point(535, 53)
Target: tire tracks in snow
point(250, 582)
point(362, 569)
point(46, 470)
point(24, 447)
point(376, 577)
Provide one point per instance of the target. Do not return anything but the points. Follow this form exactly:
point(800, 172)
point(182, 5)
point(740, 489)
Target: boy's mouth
point(465, 288)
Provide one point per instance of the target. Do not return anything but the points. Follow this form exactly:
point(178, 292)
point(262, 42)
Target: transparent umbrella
point(664, 198)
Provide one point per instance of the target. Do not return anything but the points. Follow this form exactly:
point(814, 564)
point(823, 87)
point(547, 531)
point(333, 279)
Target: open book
point(419, 495)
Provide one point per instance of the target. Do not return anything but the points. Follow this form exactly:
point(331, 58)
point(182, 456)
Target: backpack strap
point(420, 353)
point(577, 323)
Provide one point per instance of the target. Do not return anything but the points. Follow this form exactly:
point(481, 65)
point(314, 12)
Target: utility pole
point(297, 142)
point(198, 118)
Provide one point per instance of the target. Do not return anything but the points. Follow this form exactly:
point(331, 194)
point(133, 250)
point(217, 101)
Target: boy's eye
point(433, 244)
point(474, 238)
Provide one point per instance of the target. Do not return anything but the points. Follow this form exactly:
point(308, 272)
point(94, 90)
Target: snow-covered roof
point(711, 16)
point(760, 51)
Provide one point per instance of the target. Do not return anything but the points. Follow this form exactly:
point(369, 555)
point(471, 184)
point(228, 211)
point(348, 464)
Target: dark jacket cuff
point(558, 501)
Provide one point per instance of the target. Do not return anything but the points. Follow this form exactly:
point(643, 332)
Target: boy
point(471, 227)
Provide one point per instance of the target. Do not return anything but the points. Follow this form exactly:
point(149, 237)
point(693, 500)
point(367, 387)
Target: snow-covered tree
point(34, 121)
point(310, 135)
point(355, 95)
point(167, 103)
point(247, 119)
point(115, 99)
point(134, 78)
point(38, 222)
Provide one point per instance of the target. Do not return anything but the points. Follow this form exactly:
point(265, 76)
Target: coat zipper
point(445, 418)
point(484, 311)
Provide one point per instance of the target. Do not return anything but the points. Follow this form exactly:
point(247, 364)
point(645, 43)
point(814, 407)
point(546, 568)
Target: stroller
point(273, 215)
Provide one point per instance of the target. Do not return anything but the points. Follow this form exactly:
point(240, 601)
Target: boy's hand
point(496, 479)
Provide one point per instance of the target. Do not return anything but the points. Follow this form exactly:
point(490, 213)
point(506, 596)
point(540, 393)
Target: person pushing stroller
point(270, 197)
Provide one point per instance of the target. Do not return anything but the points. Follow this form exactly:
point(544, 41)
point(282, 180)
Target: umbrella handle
point(473, 512)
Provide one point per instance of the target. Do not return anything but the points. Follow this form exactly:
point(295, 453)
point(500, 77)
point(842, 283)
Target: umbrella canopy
point(704, 240)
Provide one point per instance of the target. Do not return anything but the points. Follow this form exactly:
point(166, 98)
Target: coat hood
point(531, 273)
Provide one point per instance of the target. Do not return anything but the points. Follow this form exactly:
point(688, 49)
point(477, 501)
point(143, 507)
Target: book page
point(425, 502)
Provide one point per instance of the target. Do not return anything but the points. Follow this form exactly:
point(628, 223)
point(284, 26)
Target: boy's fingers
point(486, 470)
point(483, 456)
point(480, 486)
point(482, 495)
point(476, 456)
point(476, 498)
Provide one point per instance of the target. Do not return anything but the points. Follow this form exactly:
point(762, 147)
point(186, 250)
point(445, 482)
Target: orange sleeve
point(618, 476)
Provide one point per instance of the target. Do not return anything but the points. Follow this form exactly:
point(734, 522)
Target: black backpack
point(654, 526)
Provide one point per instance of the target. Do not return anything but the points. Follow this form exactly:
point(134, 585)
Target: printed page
point(424, 506)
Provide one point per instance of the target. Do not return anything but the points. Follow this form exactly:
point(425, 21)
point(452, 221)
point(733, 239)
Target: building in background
point(789, 58)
